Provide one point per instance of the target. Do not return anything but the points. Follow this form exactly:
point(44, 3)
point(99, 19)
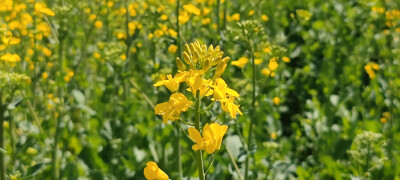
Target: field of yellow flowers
point(199, 89)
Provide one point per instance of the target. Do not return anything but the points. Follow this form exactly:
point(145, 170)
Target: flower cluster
point(198, 61)
point(212, 137)
point(370, 68)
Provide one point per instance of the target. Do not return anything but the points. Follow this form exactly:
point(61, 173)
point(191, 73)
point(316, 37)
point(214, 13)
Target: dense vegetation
point(208, 89)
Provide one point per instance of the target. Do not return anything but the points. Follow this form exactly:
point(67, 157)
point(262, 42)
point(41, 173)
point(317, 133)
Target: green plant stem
point(178, 39)
point(55, 172)
point(252, 113)
point(234, 163)
point(2, 158)
point(199, 153)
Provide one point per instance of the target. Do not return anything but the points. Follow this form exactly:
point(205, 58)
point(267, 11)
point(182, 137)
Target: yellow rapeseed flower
point(370, 68)
point(273, 64)
point(286, 59)
point(153, 172)
point(192, 9)
point(241, 62)
point(11, 58)
point(41, 8)
point(172, 48)
point(276, 100)
point(172, 109)
point(211, 139)
point(98, 24)
point(264, 17)
point(236, 17)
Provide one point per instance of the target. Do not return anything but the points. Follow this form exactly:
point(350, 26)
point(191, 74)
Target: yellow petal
point(195, 135)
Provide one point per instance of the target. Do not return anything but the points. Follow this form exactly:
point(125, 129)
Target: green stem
point(367, 159)
point(55, 172)
point(178, 39)
point(252, 113)
point(199, 153)
point(2, 158)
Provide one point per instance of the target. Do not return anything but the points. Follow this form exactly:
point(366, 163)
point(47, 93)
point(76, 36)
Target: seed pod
point(180, 64)
point(186, 58)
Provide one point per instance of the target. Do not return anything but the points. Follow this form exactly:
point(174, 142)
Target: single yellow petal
point(195, 135)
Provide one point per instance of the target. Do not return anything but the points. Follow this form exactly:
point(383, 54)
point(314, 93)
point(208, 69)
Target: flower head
point(211, 139)
point(172, 109)
point(153, 172)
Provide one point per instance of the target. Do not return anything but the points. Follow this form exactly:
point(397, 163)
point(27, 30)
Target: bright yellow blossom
point(172, 48)
point(370, 68)
point(11, 58)
point(98, 24)
point(276, 100)
point(172, 109)
point(273, 64)
point(264, 17)
point(211, 139)
point(153, 172)
point(286, 59)
point(241, 62)
point(192, 9)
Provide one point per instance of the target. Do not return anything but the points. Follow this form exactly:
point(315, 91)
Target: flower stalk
point(197, 123)
point(2, 158)
point(252, 112)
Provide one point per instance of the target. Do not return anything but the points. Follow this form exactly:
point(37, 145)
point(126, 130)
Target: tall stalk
point(55, 172)
point(252, 112)
point(2, 158)
point(178, 42)
point(197, 126)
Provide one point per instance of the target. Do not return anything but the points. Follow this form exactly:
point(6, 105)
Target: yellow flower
point(172, 48)
point(276, 100)
point(45, 75)
point(221, 90)
point(171, 83)
point(206, 21)
point(192, 9)
point(153, 172)
point(273, 64)
point(123, 57)
point(42, 8)
point(383, 120)
point(251, 12)
point(31, 151)
point(171, 110)
point(8, 39)
point(211, 139)
point(183, 17)
point(230, 107)
point(266, 72)
point(267, 50)
point(172, 32)
point(264, 17)
point(92, 17)
point(370, 68)
point(236, 17)
point(46, 52)
point(241, 62)
point(273, 135)
point(257, 61)
point(98, 24)
point(286, 59)
point(164, 17)
point(97, 55)
point(11, 58)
